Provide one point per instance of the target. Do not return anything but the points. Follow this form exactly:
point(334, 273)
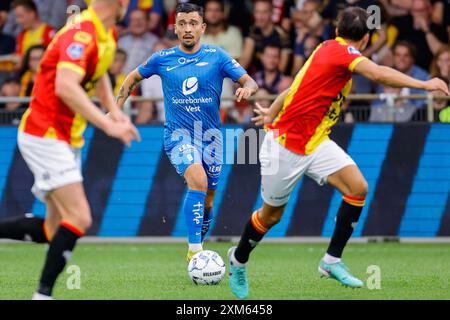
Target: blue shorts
point(184, 155)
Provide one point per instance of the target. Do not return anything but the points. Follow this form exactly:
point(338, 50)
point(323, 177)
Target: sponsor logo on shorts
point(63, 172)
point(280, 197)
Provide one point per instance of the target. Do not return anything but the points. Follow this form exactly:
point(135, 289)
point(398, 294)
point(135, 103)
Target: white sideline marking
point(266, 240)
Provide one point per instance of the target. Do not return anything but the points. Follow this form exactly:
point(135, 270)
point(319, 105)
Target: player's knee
point(199, 184)
point(272, 220)
point(84, 222)
point(196, 179)
point(80, 217)
point(360, 189)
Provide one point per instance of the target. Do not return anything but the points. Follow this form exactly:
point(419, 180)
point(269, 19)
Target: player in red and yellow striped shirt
point(35, 32)
point(50, 133)
point(297, 143)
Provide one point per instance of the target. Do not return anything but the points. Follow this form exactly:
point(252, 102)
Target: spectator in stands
point(404, 61)
point(261, 98)
point(7, 46)
point(440, 67)
point(285, 9)
point(382, 40)
point(308, 20)
point(243, 113)
point(388, 109)
point(11, 27)
point(54, 13)
point(441, 12)
point(116, 73)
point(302, 53)
point(270, 77)
point(152, 88)
point(10, 88)
point(4, 11)
point(418, 28)
point(153, 8)
point(263, 32)
point(138, 43)
point(220, 33)
point(34, 31)
point(30, 66)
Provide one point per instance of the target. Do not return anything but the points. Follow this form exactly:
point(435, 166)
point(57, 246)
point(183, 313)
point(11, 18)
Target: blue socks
point(193, 208)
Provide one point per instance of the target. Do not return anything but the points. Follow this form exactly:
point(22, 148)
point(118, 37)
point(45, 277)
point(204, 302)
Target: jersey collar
point(101, 32)
point(190, 54)
point(341, 40)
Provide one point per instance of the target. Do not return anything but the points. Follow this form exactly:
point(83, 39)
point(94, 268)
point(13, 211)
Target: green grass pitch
point(276, 271)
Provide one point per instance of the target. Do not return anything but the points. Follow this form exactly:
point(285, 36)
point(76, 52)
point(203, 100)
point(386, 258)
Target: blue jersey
point(192, 85)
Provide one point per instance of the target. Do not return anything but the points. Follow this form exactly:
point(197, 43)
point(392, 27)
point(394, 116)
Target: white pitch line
point(227, 239)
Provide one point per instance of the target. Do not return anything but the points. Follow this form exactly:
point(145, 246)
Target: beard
point(189, 45)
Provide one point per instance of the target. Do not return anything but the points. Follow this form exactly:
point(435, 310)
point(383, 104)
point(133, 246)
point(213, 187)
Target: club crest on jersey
point(190, 86)
point(75, 51)
point(353, 50)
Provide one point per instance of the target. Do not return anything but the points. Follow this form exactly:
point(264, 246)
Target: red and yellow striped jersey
point(85, 47)
point(28, 38)
point(313, 104)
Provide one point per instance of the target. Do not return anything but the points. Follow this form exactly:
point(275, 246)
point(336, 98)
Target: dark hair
point(411, 47)
point(28, 4)
point(352, 23)
point(10, 80)
point(140, 10)
point(26, 58)
point(122, 52)
point(264, 1)
point(190, 7)
point(272, 45)
point(220, 2)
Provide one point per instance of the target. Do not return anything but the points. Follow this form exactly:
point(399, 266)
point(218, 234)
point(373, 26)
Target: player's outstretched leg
point(24, 228)
point(72, 203)
point(194, 207)
point(255, 229)
point(349, 181)
point(31, 228)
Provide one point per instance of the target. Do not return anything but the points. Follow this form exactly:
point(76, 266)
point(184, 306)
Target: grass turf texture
point(276, 271)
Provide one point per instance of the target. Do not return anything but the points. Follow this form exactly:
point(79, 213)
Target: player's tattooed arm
point(248, 88)
point(130, 83)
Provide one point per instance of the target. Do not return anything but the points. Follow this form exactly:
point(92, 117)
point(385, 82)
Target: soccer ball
point(206, 268)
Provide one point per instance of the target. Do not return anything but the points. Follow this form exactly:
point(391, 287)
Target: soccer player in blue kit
point(192, 76)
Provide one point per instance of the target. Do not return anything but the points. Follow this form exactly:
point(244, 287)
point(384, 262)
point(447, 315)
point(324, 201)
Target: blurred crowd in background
point(272, 39)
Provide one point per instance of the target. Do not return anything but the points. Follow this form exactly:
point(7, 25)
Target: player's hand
point(437, 84)
point(118, 116)
point(263, 116)
point(123, 130)
point(243, 93)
